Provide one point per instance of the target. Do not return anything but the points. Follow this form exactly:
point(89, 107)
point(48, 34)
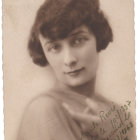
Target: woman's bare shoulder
point(42, 107)
point(42, 104)
point(39, 116)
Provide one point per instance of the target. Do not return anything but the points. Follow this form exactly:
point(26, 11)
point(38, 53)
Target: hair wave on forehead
point(55, 19)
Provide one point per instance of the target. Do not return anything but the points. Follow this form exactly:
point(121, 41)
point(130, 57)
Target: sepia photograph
point(69, 70)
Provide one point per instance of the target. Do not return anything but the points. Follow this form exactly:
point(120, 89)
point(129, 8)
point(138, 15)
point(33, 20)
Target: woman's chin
point(76, 82)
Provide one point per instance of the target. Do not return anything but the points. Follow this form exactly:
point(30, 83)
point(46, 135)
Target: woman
point(68, 35)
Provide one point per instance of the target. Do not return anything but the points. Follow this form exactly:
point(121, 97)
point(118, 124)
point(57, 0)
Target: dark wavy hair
point(55, 19)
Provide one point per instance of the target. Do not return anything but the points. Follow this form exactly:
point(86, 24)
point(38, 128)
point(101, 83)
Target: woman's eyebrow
point(70, 35)
point(49, 42)
point(77, 33)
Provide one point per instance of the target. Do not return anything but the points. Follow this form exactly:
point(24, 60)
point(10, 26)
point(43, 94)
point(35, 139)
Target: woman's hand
point(88, 121)
point(103, 120)
point(83, 117)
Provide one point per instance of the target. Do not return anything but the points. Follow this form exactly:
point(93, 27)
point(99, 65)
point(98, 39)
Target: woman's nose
point(70, 60)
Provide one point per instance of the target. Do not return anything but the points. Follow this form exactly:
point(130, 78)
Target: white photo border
point(137, 68)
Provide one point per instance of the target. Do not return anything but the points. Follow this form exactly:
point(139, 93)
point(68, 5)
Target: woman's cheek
point(57, 66)
point(89, 55)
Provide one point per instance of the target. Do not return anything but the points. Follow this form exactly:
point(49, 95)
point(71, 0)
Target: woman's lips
point(74, 72)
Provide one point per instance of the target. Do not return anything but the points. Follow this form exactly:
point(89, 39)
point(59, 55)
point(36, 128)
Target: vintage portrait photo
point(69, 70)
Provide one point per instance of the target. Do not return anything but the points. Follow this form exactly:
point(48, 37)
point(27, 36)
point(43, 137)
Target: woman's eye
point(54, 48)
point(79, 40)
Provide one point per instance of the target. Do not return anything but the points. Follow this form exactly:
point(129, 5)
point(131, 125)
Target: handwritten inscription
point(114, 124)
point(105, 115)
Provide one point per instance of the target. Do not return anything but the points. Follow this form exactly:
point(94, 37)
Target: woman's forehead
point(78, 31)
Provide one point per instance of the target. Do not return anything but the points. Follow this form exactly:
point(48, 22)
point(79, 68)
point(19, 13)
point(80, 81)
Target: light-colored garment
point(46, 119)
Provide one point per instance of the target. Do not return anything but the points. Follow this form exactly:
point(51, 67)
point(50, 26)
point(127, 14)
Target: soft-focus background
point(23, 80)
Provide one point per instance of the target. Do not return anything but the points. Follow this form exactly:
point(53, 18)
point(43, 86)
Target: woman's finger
point(93, 105)
point(86, 110)
point(82, 117)
point(68, 109)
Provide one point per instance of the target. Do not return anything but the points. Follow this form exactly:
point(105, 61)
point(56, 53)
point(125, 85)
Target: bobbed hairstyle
point(55, 19)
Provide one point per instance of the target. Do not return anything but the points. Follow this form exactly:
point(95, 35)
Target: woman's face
point(74, 59)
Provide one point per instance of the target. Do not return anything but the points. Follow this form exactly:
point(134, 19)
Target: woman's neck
point(87, 89)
